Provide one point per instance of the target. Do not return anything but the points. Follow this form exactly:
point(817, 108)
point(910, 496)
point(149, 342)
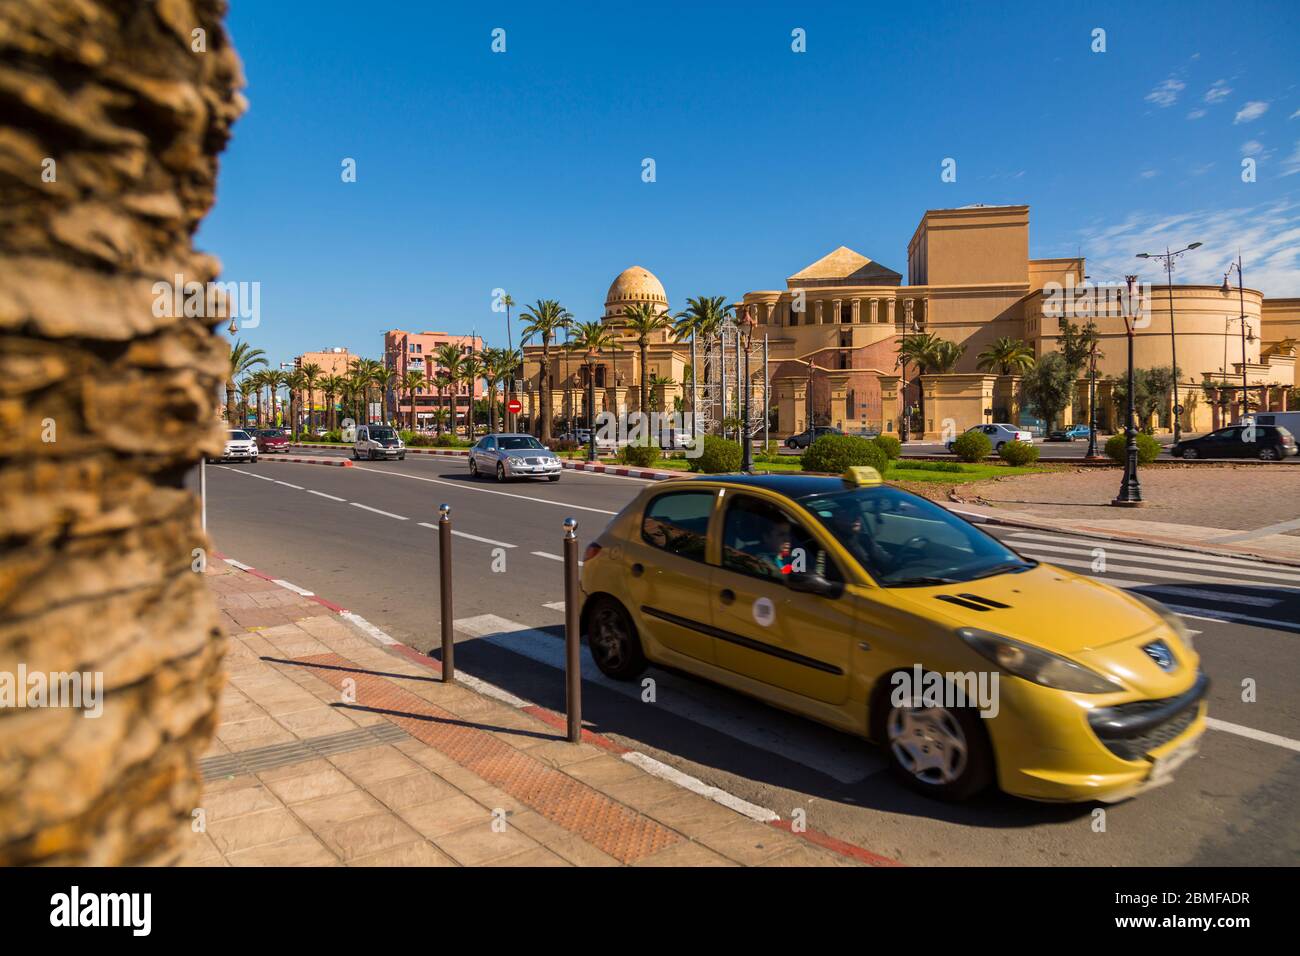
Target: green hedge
point(1017, 453)
point(946, 466)
point(717, 457)
point(891, 446)
point(972, 446)
point(1117, 448)
point(642, 456)
point(835, 453)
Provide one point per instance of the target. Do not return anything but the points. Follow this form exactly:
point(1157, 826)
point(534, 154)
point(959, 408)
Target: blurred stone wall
point(110, 126)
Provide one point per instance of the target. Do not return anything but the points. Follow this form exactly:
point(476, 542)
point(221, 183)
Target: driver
point(774, 546)
point(847, 527)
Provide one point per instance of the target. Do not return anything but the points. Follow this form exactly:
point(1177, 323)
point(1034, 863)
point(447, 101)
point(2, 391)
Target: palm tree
point(946, 355)
point(258, 380)
point(1009, 356)
point(545, 320)
point(296, 382)
point(494, 371)
point(658, 382)
point(414, 382)
point(273, 381)
point(311, 372)
point(642, 320)
point(333, 386)
point(385, 379)
point(920, 349)
point(451, 360)
point(590, 339)
point(243, 359)
point(247, 385)
point(701, 320)
point(471, 370)
point(441, 380)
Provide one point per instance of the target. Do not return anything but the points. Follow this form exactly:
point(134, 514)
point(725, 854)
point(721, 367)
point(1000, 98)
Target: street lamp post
point(591, 404)
point(1241, 301)
point(747, 343)
point(1130, 491)
point(1092, 400)
point(1168, 259)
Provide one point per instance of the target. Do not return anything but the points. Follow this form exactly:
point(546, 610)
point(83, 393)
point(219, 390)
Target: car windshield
point(382, 434)
point(272, 433)
point(237, 435)
point(905, 541)
point(518, 442)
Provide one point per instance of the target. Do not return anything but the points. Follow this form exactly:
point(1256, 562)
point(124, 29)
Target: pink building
point(417, 351)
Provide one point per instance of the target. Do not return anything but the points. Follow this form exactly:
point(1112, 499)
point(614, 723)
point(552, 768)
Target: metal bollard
point(444, 575)
point(572, 639)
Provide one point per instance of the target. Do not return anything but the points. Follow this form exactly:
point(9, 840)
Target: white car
point(1000, 434)
point(378, 441)
point(240, 446)
point(513, 456)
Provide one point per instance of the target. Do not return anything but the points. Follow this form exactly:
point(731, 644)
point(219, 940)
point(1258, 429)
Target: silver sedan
point(513, 456)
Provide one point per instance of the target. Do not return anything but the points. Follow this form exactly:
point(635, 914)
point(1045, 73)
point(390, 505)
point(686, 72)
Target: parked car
point(1059, 436)
point(809, 435)
point(1077, 432)
point(378, 441)
point(271, 440)
point(830, 597)
point(513, 456)
point(1288, 420)
point(1000, 434)
point(1265, 442)
point(240, 446)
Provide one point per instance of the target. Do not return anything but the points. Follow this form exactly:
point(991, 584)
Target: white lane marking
point(795, 740)
point(258, 477)
point(369, 628)
point(471, 537)
point(323, 495)
point(293, 587)
point(1247, 599)
point(287, 485)
point(1142, 572)
point(1089, 543)
point(487, 491)
point(1164, 562)
point(386, 514)
point(1263, 532)
point(1231, 617)
point(555, 606)
point(238, 564)
point(695, 785)
point(553, 557)
point(1263, 736)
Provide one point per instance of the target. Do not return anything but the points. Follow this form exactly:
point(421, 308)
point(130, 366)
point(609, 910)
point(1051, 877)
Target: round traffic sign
point(514, 406)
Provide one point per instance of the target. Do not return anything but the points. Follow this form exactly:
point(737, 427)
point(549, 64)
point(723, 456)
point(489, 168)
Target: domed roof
point(636, 285)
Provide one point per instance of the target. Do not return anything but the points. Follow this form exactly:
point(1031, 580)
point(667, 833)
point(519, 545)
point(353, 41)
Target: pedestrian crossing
point(1236, 590)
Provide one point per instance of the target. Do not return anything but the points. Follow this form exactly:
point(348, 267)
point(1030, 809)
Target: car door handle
point(726, 595)
point(638, 569)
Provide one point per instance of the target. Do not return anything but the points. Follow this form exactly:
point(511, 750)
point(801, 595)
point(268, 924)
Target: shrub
point(835, 453)
point(446, 440)
point(417, 439)
point(563, 445)
point(642, 456)
point(718, 456)
point(1117, 448)
point(1017, 453)
point(891, 446)
point(945, 466)
point(335, 436)
point(972, 446)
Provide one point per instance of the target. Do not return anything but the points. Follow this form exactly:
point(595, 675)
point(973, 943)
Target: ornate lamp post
point(746, 343)
point(1130, 492)
point(1241, 300)
point(1168, 259)
point(1092, 401)
point(590, 359)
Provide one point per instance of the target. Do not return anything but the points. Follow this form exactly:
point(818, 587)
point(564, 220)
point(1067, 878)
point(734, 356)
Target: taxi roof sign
point(862, 476)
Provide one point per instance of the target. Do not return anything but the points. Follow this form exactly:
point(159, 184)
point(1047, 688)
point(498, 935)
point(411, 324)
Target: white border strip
point(686, 781)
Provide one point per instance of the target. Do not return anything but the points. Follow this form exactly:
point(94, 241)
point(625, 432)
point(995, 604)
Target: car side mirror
point(810, 582)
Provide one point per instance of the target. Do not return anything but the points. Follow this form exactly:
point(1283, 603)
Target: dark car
point(271, 440)
point(1265, 442)
point(809, 435)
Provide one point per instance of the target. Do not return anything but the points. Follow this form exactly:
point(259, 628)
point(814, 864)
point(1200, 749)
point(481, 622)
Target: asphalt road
point(357, 536)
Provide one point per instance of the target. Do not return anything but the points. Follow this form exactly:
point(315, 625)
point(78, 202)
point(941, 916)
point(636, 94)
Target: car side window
point(678, 523)
point(762, 541)
point(1224, 434)
point(363, 434)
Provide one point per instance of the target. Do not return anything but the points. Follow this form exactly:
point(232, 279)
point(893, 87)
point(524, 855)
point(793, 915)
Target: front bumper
point(551, 467)
point(1076, 753)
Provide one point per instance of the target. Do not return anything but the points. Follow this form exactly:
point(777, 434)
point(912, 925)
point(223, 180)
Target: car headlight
point(515, 461)
point(1035, 664)
point(1169, 617)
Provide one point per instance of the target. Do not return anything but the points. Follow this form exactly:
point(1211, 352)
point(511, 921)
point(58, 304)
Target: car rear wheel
point(613, 642)
point(999, 445)
point(939, 751)
point(1190, 453)
point(1268, 453)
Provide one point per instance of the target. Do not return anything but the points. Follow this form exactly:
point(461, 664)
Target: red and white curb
point(622, 471)
point(650, 765)
point(461, 452)
point(336, 462)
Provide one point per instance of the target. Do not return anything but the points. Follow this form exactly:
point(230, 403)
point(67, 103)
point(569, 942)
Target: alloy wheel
point(928, 743)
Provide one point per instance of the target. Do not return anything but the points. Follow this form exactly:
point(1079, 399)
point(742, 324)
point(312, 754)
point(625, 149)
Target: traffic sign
point(514, 406)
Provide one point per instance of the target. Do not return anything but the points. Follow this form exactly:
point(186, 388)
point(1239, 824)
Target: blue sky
point(523, 170)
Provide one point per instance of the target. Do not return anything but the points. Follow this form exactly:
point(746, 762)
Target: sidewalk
point(334, 749)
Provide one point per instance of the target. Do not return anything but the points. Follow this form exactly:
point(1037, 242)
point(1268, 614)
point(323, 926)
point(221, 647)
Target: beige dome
point(634, 285)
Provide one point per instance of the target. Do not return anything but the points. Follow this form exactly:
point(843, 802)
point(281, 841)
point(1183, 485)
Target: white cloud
point(1217, 91)
point(1202, 170)
point(1294, 115)
point(1166, 93)
point(1252, 147)
point(1149, 173)
point(1267, 235)
point(1251, 111)
point(1195, 114)
point(1291, 165)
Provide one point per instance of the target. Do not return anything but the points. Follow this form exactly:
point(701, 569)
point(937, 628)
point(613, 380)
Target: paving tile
point(747, 842)
point(374, 764)
point(686, 854)
point(412, 790)
point(480, 844)
point(235, 802)
point(304, 850)
point(254, 829)
point(365, 836)
point(310, 780)
point(325, 812)
point(434, 820)
point(417, 853)
point(537, 856)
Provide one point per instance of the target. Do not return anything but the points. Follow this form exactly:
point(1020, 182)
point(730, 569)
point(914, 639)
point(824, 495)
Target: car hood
point(1047, 607)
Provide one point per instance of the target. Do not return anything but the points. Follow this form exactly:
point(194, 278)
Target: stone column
point(818, 311)
point(111, 124)
point(837, 311)
point(875, 311)
point(857, 311)
point(889, 402)
point(891, 304)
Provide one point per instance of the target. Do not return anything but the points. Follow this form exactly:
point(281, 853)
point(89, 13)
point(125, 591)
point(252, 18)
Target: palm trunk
point(230, 401)
point(645, 382)
point(544, 392)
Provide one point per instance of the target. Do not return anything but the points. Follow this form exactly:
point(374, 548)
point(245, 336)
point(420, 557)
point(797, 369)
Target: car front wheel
point(473, 468)
point(939, 751)
point(501, 472)
point(613, 641)
point(1190, 454)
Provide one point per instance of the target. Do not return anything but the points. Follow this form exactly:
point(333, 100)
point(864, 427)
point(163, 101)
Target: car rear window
point(679, 523)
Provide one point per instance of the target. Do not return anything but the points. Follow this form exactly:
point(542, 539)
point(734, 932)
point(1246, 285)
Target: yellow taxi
point(885, 615)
